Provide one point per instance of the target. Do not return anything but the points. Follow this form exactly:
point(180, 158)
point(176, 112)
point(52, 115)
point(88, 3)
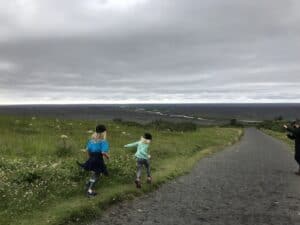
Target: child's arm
point(87, 149)
point(105, 155)
point(295, 131)
point(105, 149)
point(134, 144)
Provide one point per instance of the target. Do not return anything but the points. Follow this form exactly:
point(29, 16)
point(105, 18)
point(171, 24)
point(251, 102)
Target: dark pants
point(297, 157)
point(140, 163)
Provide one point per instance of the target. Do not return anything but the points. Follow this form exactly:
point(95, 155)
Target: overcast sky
point(164, 51)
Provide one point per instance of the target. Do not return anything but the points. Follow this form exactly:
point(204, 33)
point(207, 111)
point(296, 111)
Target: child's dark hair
point(100, 128)
point(148, 136)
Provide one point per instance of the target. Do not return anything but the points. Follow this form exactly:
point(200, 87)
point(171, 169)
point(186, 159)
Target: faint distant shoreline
point(206, 114)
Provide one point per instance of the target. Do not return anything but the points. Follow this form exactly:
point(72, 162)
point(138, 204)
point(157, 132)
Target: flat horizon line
point(146, 103)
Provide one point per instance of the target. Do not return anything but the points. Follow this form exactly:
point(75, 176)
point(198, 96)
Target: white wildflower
point(54, 165)
point(63, 136)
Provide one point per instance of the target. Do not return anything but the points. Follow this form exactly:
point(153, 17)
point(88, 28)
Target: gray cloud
point(149, 51)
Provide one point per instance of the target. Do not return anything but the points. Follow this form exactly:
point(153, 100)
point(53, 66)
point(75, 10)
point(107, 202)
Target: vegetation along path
point(251, 182)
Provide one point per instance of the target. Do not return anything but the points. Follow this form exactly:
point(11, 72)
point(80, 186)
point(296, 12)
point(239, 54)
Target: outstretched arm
point(295, 131)
point(134, 144)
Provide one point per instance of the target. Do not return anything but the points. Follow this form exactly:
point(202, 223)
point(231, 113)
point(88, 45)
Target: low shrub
point(28, 177)
point(127, 123)
point(171, 126)
point(275, 125)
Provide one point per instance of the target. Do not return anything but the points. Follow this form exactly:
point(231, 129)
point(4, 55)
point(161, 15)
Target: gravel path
point(251, 182)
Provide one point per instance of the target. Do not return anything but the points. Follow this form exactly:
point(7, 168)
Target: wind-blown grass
point(281, 136)
point(41, 184)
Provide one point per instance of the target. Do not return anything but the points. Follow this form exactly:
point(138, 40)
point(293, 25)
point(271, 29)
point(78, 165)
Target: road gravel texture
point(251, 182)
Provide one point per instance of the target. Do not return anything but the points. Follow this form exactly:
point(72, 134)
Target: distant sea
point(199, 113)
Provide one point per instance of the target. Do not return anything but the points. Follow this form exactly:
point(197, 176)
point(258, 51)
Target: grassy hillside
point(41, 184)
point(281, 136)
point(275, 128)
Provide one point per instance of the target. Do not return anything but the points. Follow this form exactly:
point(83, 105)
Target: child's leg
point(139, 166)
point(297, 158)
point(147, 165)
point(92, 182)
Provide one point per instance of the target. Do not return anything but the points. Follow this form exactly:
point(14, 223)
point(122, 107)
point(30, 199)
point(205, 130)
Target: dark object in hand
point(291, 136)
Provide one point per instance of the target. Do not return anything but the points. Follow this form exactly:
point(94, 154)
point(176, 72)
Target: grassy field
point(281, 136)
point(41, 184)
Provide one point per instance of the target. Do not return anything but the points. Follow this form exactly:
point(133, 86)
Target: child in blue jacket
point(97, 148)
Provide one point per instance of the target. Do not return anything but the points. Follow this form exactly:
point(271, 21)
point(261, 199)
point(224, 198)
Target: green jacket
point(142, 149)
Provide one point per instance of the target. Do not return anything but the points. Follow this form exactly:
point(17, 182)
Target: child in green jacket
point(142, 157)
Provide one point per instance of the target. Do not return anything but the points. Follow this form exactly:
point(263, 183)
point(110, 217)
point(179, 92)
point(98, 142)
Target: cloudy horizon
point(142, 51)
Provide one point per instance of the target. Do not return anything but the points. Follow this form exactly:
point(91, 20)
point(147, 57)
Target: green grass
point(40, 183)
point(281, 136)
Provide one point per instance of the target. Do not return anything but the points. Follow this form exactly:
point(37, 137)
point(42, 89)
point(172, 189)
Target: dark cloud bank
point(149, 51)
